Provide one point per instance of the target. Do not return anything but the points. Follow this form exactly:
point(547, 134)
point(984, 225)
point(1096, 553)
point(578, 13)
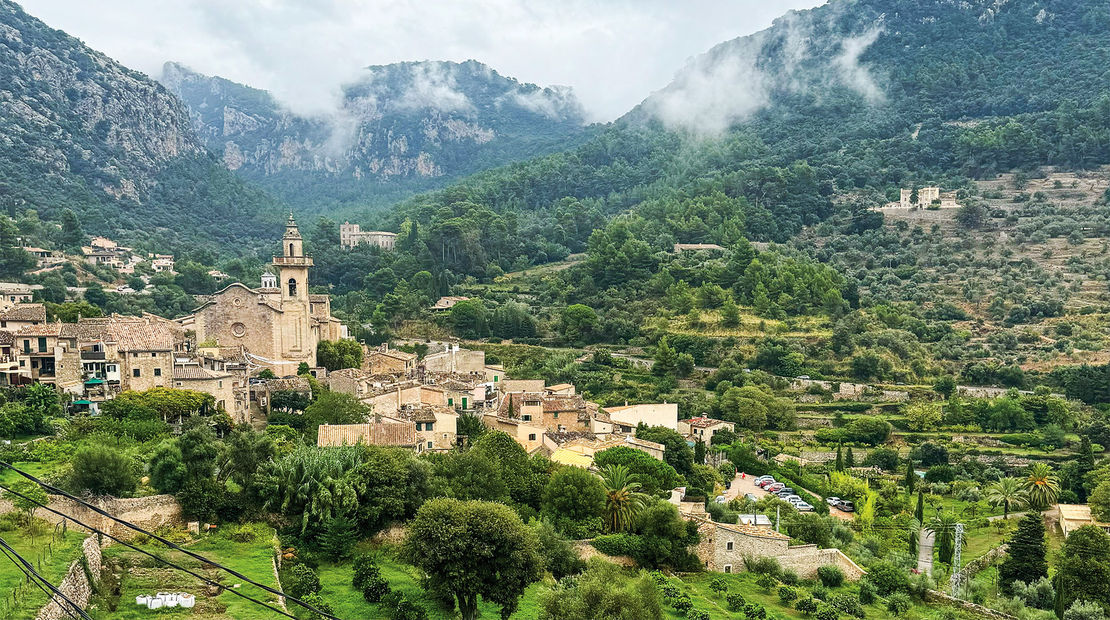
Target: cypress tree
point(1025, 560)
point(911, 477)
point(849, 459)
point(919, 512)
point(839, 457)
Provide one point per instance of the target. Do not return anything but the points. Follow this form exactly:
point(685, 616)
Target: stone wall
point(934, 596)
point(148, 513)
point(76, 585)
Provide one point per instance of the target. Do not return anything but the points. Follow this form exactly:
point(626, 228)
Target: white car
point(803, 507)
point(832, 501)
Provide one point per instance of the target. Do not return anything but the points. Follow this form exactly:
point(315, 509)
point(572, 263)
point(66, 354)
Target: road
point(925, 541)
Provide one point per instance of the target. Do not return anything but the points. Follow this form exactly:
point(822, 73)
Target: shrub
point(315, 600)
point(682, 603)
point(820, 592)
point(827, 612)
point(697, 614)
point(735, 601)
point(847, 603)
point(763, 566)
point(658, 577)
point(787, 594)
point(866, 592)
point(888, 578)
point(368, 579)
point(670, 592)
point(766, 582)
point(304, 581)
point(755, 611)
point(617, 544)
point(1085, 610)
point(405, 609)
point(898, 603)
point(831, 576)
point(789, 577)
point(807, 606)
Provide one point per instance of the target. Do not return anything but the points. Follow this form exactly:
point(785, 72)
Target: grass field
point(142, 575)
point(51, 553)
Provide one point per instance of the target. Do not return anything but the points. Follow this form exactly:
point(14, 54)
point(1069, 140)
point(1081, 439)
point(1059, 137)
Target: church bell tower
point(292, 266)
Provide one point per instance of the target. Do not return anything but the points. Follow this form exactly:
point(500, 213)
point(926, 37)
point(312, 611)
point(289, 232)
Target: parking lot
point(745, 483)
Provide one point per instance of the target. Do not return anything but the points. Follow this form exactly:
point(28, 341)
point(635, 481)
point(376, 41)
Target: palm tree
point(1008, 493)
point(1042, 485)
point(623, 499)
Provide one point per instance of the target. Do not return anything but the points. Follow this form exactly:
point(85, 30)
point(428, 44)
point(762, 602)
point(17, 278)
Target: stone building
point(387, 361)
point(703, 428)
point(397, 434)
point(21, 315)
point(191, 375)
point(627, 417)
point(351, 235)
point(722, 547)
point(279, 324)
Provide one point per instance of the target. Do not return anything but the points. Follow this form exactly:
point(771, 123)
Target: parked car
point(846, 506)
point(792, 498)
point(803, 507)
point(784, 491)
point(776, 487)
point(763, 484)
point(764, 479)
point(832, 501)
point(720, 499)
point(751, 496)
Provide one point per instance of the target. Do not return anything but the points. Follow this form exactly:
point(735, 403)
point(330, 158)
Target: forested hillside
point(79, 131)
point(395, 130)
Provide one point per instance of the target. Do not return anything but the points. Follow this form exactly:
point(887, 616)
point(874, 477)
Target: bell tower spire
point(292, 266)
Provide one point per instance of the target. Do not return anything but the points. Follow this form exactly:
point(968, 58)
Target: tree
point(603, 592)
point(922, 415)
point(654, 475)
point(730, 313)
point(665, 359)
point(1025, 560)
point(578, 324)
point(943, 528)
point(339, 354)
point(470, 319)
point(166, 467)
point(26, 497)
point(560, 556)
point(336, 408)
point(919, 511)
point(71, 236)
point(367, 578)
point(839, 466)
point(1008, 493)
point(677, 453)
point(849, 458)
point(339, 538)
point(101, 470)
point(1100, 501)
point(1085, 610)
point(1084, 567)
point(472, 548)
point(910, 479)
point(945, 385)
point(1042, 486)
point(575, 501)
point(623, 499)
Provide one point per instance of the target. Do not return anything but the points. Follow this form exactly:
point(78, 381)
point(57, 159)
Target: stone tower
point(292, 268)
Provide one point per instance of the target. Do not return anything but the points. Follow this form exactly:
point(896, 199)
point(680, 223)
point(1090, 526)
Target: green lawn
point(51, 554)
point(142, 575)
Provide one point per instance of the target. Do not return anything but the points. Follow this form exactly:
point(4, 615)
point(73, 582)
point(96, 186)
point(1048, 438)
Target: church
point(279, 323)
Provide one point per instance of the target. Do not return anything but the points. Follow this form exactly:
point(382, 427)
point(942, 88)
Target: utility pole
point(955, 583)
point(777, 509)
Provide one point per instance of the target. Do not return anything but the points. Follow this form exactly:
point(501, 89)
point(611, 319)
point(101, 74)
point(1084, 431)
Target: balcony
point(93, 356)
point(293, 261)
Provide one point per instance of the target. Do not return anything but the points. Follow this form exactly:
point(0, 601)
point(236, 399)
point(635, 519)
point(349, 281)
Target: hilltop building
point(927, 196)
point(350, 236)
point(279, 324)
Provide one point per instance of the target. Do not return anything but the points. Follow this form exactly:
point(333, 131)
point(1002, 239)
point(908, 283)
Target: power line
point(202, 578)
point(162, 540)
point(34, 576)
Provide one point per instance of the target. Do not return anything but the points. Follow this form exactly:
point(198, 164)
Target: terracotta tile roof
point(25, 312)
point(395, 354)
point(318, 298)
point(373, 434)
point(563, 403)
point(45, 329)
point(6, 338)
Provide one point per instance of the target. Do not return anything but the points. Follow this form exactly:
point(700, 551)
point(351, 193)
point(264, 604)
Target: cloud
point(612, 53)
point(430, 86)
point(738, 78)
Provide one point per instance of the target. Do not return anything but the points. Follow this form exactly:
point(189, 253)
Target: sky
point(613, 53)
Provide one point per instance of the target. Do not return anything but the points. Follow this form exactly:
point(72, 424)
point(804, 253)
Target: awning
point(94, 381)
point(82, 402)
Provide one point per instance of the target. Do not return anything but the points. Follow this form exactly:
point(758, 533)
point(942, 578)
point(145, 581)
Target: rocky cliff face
point(79, 130)
point(398, 127)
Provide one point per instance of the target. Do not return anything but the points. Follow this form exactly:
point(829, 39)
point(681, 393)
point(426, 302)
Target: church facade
point(279, 323)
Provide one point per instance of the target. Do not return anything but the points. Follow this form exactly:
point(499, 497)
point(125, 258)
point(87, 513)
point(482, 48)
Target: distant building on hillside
point(447, 302)
point(927, 196)
point(350, 235)
point(697, 247)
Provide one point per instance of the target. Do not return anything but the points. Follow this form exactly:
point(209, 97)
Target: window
point(153, 354)
point(292, 282)
point(728, 546)
point(291, 254)
point(526, 417)
point(220, 384)
point(42, 344)
point(556, 415)
point(428, 426)
point(157, 372)
point(429, 445)
point(26, 346)
point(728, 568)
point(419, 425)
point(495, 378)
point(450, 401)
point(531, 436)
point(136, 372)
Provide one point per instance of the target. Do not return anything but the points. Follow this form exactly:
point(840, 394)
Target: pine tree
point(911, 477)
point(730, 314)
point(839, 457)
point(849, 459)
point(1025, 560)
point(339, 538)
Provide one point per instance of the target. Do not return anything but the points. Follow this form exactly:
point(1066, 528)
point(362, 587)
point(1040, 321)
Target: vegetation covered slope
point(395, 130)
point(80, 131)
